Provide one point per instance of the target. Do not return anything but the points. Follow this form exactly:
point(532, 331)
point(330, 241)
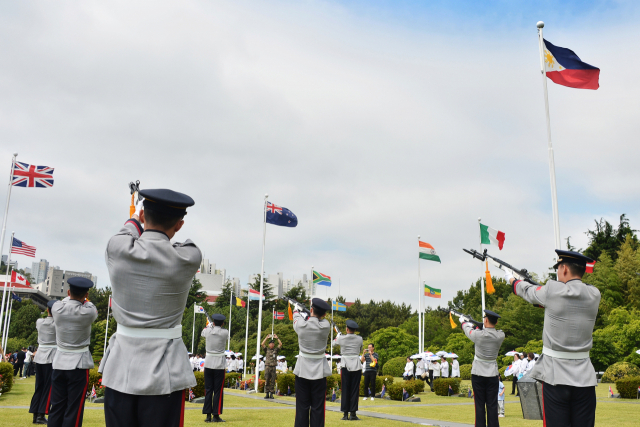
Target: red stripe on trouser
point(182, 409)
point(221, 390)
point(324, 413)
point(81, 406)
point(544, 418)
point(46, 411)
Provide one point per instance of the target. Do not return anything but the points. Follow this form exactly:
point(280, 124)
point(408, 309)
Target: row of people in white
point(439, 368)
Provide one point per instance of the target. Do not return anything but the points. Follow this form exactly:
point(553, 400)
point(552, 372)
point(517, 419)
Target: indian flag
point(426, 251)
point(488, 236)
point(432, 292)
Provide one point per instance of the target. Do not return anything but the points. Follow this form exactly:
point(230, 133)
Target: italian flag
point(488, 236)
point(426, 251)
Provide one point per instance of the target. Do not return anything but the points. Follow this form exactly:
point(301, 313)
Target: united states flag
point(25, 175)
point(19, 247)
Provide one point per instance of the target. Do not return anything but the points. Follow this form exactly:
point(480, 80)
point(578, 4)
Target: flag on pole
point(432, 292)
point(278, 315)
point(426, 251)
point(191, 395)
point(490, 236)
point(255, 295)
point(277, 215)
point(321, 279)
point(25, 175)
point(198, 309)
point(21, 248)
point(563, 67)
point(16, 297)
point(338, 306)
point(19, 279)
point(384, 390)
point(238, 302)
point(590, 267)
point(508, 371)
point(93, 392)
point(610, 392)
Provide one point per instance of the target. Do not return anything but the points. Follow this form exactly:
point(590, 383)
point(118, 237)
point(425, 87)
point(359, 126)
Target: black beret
point(80, 283)
point(166, 201)
point(572, 257)
point(492, 314)
point(351, 324)
point(320, 304)
point(50, 303)
point(219, 317)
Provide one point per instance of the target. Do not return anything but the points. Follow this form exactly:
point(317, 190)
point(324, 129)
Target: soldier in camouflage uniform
point(270, 363)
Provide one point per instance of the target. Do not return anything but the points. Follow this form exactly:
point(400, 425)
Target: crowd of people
point(22, 361)
point(428, 368)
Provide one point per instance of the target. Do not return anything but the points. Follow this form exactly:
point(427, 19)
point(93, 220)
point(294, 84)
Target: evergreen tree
point(607, 239)
point(605, 278)
point(196, 295)
point(628, 269)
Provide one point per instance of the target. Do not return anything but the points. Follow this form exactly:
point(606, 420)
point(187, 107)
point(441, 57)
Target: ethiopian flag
point(426, 251)
point(488, 236)
point(432, 292)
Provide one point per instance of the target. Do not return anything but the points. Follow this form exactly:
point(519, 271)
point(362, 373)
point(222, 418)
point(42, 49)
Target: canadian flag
point(19, 279)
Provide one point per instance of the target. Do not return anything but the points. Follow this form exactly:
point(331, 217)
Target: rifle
point(307, 311)
point(521, 274)
point(135, 190)
point(479, 325)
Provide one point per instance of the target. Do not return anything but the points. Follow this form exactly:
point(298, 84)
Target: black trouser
point(27, 369)
point(213, 391)
point(370, 381)
point(130, 410)
point(485, 392)
point(311, 398)
point(350, 389)
point(18, 367)
point(430, 379)
point(568, 406)
point(68, 390)
point(270, 379)
point(514, 384)
point(42, 394)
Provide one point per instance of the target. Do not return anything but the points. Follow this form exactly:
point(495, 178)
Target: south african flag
point(321, 279)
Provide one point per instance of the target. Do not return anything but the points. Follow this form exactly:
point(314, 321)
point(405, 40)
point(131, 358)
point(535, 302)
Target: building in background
point(55, 283)
point(213, 279)
point(39, 271)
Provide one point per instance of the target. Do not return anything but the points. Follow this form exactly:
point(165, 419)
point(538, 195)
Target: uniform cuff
point(515, 282)
point(136, 224)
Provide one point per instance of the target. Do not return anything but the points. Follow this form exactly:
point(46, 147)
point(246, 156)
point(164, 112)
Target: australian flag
point(278, 215)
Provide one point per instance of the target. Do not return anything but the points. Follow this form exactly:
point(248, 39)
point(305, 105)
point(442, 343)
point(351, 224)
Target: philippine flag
point(565, 68)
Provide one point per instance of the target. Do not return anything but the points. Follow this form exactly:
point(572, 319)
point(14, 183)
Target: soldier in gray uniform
point(43, 360)
point(564, 367)
point(72, 318)
point(350, 347)
point(311, 367)
point(484, 371)
point(146, 369)
point(214, 368)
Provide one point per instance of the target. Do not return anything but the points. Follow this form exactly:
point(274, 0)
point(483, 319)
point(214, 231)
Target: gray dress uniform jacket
point(487, 345)
point(312, 340)
point(569, 316)
point(351, 349)
point(216, 342)
point(46, 341)
point(72, 320)
point(150, 278)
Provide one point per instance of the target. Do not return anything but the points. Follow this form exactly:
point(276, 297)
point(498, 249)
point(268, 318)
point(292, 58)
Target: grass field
point(241, 409)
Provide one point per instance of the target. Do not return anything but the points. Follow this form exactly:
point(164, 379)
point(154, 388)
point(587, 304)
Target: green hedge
point(417, 386)
point(378, 386)
point(465, 372)
point(620, 370)
point(198, 390)
point(394, 367)
point(441, 386)
point(284, 381)
point(628, 387)
point(394, 390)
point(334, 380)
point(230, 379)
point(95, 379)
point(502, 376)
point(387, 379)
point(6, 370)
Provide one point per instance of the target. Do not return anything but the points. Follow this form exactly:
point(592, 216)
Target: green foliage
point(23, 321)
point(501, 372)
point(417, 386)
point(284, 381)
point(521, 322)
point(95, 379)
point(441, 386)
point(15, 344)
point(6, 370)
point(375, 316)
point(412, 387)
point(620, 370)
point(628, 387)
point(604, 239)
point(378, 385)
point(392, 343)
point(334, 380)
point(459, 344)
point(100, 298)
point(97, 337)
point(388, 379)
point(627, 267)
point(198, 390)
point(633, 358)
point(618, 338)
point(395, 366)
point(196, 294)
point(230, 378)
point(465, 372)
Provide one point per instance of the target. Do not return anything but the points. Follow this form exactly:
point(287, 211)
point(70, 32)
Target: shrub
point(378, 386)
point(465, 372)
point(95, 379)
point(230, 379)
point(198, 389)
point(394, 367)
point(387, 379)
point(395, 390)
point(628, 387)
point(6, 370)
point(334, 380)
point(441, 386)
point(417, 386)
point(620, 370)
point(284, 381)
point(249, 384)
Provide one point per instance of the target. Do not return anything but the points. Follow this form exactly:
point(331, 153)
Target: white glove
point(296, 307)
point(139, 208)
point(508, 275)
point(463, 319)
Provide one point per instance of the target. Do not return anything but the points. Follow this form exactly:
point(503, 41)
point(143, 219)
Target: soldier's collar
point(156, 231)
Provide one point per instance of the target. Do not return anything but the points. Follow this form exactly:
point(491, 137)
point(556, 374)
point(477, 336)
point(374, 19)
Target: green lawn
point(610, 412)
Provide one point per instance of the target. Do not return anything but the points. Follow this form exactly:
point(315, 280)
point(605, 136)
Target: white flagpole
point(7, 276)
point(193, 332)
point(106, 331)
point(230, 305)
point(331, 341)
point(273, 319)
point(311, 289)
point(4, 228)
point(246, 337)
point(552, 166)
point(419, 305)
point(481, 282)
point(264, 238)
point(8, 322)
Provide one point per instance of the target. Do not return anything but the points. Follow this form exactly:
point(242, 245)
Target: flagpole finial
point(418, 237)
point(266, 195)
point(479, 219)
point(15, 154)
point(540, 24)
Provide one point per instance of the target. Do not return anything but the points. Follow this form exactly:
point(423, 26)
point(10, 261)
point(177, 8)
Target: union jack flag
point(191, 395)
point(93, 392)
point(25, 175)
point(273, 208)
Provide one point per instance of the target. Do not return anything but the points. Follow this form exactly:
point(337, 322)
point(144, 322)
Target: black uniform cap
point(320, 304)
point(219, 317)
point(351, 324)
point(492, 316)
point(166, 202)
point(50, 303)
point(80, 283)
point(572, 257)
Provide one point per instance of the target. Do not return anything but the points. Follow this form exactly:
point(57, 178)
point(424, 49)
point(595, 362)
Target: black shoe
point(354, 417)
point(271, 396)
point(217, 419)
point(208, 419)
point(346, 417)
point(40, 419)
point(266, 395)
point(35, 417)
